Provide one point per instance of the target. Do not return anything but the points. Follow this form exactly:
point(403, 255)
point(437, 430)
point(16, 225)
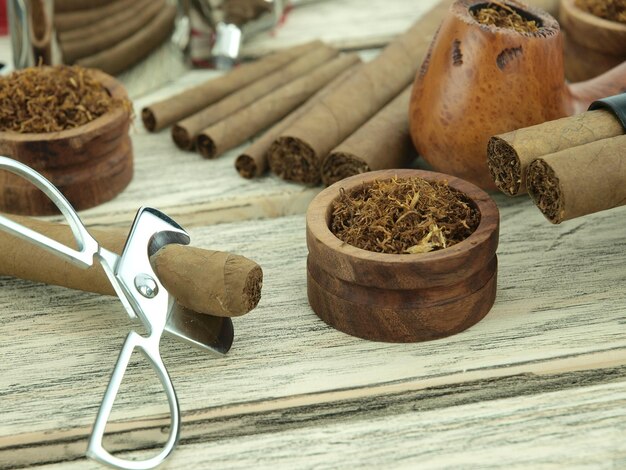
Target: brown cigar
point(131, 50)
point(243, 124)
point(580, 180)
point(253, 161)
point(211, 282)
point(77, 19)
point(185, 132)
point(160, 115)
point(298, 153)
point(107, 32)
point(508, 155)
point(381, 143)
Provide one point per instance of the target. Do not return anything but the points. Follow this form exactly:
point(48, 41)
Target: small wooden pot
point(593, 45)
point(401, 298)
point(89, 164)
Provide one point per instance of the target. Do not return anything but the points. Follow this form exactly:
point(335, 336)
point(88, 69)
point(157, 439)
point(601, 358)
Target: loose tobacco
point(398, 216)
point(613, 10)
point(52, 99)
point(502, 16)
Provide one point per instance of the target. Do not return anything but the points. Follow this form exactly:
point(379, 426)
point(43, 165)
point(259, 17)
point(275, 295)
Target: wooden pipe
point(479, 80)
point(205, 281)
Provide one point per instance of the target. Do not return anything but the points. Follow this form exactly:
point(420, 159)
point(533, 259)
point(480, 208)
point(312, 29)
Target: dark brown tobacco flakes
point(502, 16)
point(403, 216)
point(613, 10)
point(51, 99)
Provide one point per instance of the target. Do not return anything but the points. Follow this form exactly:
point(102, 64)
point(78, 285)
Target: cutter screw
point(146, 286)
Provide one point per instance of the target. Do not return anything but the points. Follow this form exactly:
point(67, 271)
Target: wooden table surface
point(539, 383)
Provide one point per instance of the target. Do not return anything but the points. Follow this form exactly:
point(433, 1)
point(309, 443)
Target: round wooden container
point(593, 45)
point(89, 164)
point(401, 298)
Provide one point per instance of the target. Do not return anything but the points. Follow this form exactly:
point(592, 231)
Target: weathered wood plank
point(579, 427)
point(561, 294)
point(345, 24)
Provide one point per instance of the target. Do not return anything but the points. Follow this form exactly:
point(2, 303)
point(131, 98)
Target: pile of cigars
point(110, 35)
point(326, 115)
point(570, 167)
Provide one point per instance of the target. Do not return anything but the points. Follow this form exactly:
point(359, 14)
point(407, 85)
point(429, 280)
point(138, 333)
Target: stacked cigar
point(111, 35)
point(570, 167)
point(327, 115)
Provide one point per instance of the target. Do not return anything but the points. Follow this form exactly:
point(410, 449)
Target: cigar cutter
point(143, 296)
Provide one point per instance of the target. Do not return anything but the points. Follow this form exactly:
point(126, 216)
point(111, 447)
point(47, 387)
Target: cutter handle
point(150, 347)
point(87, 245)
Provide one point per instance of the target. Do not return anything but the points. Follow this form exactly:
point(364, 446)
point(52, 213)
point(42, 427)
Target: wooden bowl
point(401, 298)
point(479, 81)
point(90, 164)
point(593, 45)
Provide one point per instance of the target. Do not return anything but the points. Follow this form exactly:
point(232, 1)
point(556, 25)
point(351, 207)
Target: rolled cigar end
point(505, 166)
point(340, 165)
point(215, 282)
point(206, 146)
point(149, 120)
point(246, 166)
point(252, 288)
point(544, 188)
point(182, 138)
point(293, 159)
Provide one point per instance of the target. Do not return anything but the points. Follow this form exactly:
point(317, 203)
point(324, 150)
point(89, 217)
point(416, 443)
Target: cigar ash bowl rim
point(90, 164)
point(401, 297)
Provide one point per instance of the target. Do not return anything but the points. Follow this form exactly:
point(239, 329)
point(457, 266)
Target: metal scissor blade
point(204, 331)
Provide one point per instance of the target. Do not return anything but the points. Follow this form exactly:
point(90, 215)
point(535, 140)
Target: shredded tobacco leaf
point(399, 216)
point(51, 99)
point(613, 10)
point(503, 16)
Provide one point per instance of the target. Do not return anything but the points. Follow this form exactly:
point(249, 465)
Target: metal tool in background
point(220, 27)
point(142, 295)
point(32, 33)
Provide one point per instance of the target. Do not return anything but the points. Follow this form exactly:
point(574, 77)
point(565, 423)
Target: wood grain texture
point(538, 428)
point(560, 308)
point(401, 298)
point(343, 24)
point(479, 81)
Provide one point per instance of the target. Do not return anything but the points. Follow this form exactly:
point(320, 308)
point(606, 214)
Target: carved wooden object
point(401, 298)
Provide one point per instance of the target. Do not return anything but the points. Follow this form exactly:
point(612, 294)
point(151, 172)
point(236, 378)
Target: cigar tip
point(181, 138)
point(545, 190)
point(505, 166)
point(246, 166)
point(148, 119)
point(292, 159)
point(206, 146)
point(340, 165)
point(253, 286)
